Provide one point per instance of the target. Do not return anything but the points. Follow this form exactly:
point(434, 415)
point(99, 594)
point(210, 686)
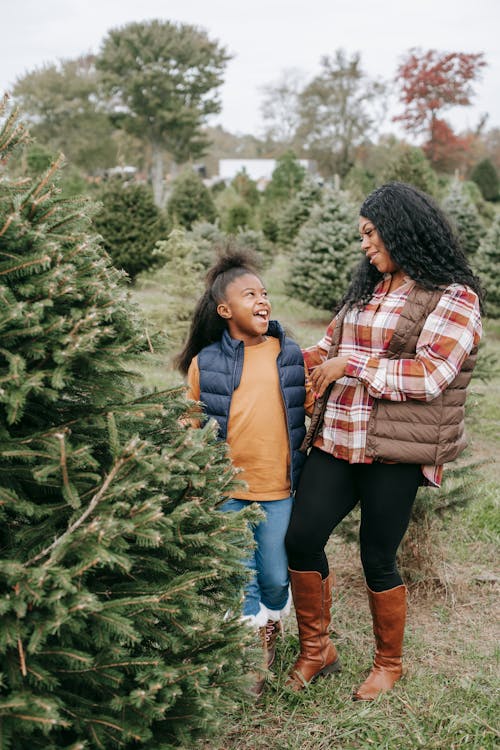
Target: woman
point(390, 375)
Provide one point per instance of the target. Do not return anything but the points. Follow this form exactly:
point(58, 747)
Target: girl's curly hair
point(419, 239)
point(207, 326)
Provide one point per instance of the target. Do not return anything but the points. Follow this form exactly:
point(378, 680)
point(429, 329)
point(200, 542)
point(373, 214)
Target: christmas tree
point(180, 282)
point(190, 200)
point(487, 263)
point(486, 178)
point(297, 211)
point(409, 164)
point(116, 568)
point(325, 251)
point(130, 224)
point(464, 217)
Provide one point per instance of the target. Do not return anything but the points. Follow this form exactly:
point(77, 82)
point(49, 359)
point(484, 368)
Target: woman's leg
point(387, 493)
point(325, 495)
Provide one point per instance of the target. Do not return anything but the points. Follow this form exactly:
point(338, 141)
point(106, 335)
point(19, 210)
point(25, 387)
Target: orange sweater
point(257, 431)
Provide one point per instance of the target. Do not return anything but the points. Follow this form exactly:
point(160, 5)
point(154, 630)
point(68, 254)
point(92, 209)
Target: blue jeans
point(266, 594)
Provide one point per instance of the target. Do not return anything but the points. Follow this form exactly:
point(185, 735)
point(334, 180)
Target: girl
point(249, 376)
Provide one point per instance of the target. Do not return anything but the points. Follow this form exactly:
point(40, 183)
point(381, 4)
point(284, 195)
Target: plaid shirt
point(447, 338)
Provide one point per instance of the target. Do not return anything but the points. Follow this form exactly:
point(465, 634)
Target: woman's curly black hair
point(419, 239)
point(207, 325)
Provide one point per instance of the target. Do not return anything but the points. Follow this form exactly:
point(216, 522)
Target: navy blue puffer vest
point(220, 365)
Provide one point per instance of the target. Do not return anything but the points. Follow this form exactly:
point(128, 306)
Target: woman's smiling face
point(373, 247)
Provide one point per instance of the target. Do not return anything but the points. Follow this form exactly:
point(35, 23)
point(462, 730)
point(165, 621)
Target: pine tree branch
point(7, 224)
point(22, 659)
point(122, 461)
point(52, 170)
point(22, 266)
point(38, 720)
point(64, 467)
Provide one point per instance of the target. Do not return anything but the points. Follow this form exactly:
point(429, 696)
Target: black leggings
point(329, 489)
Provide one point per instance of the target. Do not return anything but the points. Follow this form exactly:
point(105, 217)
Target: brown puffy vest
point(411, 431)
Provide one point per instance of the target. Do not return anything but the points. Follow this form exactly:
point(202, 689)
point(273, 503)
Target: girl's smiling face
point(247, 309)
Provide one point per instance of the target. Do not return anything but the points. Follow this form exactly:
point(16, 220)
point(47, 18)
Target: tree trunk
point(432, 141)
point(157, 174)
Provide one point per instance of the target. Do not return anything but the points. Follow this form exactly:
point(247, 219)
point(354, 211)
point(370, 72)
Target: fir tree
point(116, 569)
point(130, 224)
point(246, 188)
point(409, 164)
point(325, 252)
point(190, 200)
point(485, 176)
point(180, 280)
point(359, 182)
point(297, 211)
point(487, 262)
point(239, 216)
point(204, 238)
point(465, 217)
point(485, 209)
point(286, 179)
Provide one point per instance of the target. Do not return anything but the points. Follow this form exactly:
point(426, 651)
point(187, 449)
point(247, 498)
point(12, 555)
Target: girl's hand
point(325, 373)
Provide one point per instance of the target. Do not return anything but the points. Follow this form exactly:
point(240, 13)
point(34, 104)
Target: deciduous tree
point(339, 109)
point(281, 108)
point(162, 79)
point(491, 144)
point(431, 82)
point(60, 100)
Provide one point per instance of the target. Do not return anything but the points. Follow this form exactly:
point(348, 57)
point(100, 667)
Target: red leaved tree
point(432, 82)
point(445, 150)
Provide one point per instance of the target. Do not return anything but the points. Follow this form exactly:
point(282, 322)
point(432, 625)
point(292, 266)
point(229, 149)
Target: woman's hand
point(325, 373)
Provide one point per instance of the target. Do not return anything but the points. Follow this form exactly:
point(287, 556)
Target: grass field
point(448, 698)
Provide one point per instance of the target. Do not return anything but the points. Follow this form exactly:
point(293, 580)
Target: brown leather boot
point(274, 629)
point(388, 610)
point(312, 597)
point(260, 673)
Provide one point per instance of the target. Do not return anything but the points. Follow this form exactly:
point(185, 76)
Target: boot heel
point(331, 668)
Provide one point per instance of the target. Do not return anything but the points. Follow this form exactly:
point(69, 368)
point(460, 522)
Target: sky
point(267, 37)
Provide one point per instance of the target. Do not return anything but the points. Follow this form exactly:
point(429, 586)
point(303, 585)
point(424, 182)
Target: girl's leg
point(325, 495)
point(252, 609)
point(270, 555)
point(387, 493)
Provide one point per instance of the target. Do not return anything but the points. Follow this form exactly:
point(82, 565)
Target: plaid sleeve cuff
point(357, 364)
point(313, 357)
